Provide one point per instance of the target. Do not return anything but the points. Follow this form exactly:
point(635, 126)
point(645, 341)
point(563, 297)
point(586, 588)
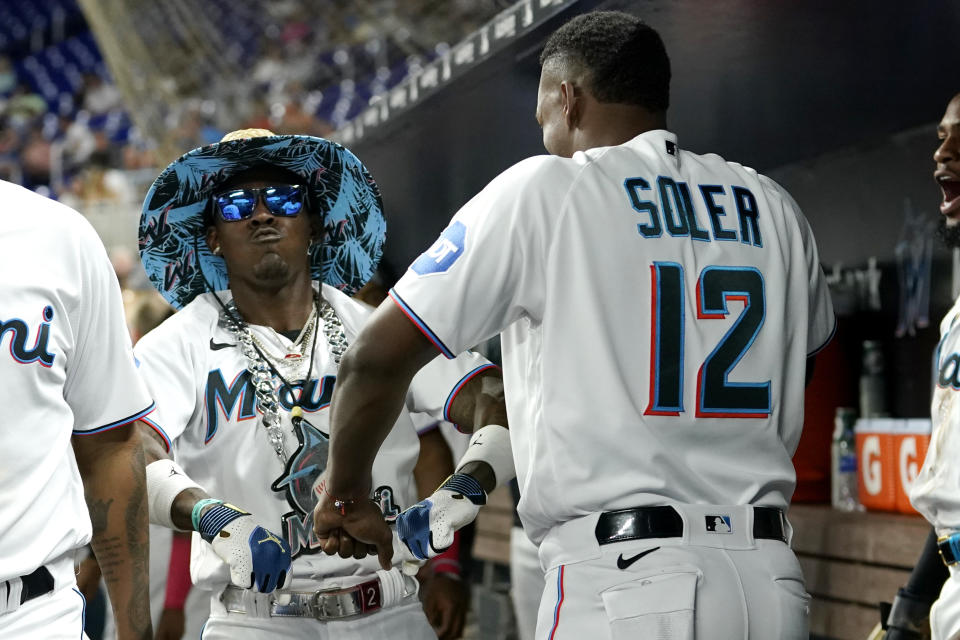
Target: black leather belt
point(34, 584)
point(664, 522)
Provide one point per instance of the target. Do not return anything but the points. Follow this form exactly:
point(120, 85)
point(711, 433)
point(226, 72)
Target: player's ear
point(213, 240)
point(570, 103)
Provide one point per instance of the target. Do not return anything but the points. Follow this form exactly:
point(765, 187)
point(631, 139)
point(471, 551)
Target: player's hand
point(445, 601)
point(360, 531)
point(427, 527)
point(257, 557)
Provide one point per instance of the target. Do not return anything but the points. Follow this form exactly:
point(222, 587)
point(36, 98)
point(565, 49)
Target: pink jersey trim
point(160, 432)
point(456, 390)
point(556, 611)
point(119, 423)
point(420, 324)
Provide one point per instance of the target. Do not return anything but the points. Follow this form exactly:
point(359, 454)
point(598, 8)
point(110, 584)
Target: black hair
point(624, 58)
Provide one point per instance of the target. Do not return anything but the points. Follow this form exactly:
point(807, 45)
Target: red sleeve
point(178, 575)
point(449, 561)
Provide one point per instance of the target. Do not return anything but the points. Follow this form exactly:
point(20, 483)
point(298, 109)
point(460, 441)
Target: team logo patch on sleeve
point(444, 252)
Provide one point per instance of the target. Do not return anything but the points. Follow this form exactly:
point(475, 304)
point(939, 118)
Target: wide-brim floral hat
point(173, 223)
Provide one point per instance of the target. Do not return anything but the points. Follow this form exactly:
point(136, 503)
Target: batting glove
point(427, 527)
point(256, 557)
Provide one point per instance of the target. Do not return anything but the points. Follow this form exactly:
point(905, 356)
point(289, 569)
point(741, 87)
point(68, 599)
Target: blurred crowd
point(66, 152)
point(66, 132)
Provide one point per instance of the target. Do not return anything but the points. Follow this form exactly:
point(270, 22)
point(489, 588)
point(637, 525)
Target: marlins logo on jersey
point(301, 472)
point(298, 480)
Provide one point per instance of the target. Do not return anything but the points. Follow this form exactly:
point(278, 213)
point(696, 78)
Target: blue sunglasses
point(238, 204)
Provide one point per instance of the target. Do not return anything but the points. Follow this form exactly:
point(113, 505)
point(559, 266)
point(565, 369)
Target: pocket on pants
point(656, 607)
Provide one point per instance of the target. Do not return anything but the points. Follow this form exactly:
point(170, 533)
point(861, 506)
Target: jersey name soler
point(674, 212)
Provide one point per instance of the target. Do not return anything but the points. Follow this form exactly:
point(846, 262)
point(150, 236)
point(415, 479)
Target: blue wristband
point(198, 507)
point(214, 520)
point(954, 542)
point(468, 486)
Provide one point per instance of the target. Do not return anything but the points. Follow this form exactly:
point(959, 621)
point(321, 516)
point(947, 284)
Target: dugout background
point(769, 85)
point(838, 101)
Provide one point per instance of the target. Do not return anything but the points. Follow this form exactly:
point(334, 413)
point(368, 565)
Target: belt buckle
point(951, 542)
point(359, 599)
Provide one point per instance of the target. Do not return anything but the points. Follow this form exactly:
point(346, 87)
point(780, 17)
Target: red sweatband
point(178, 572)
point(448, 561)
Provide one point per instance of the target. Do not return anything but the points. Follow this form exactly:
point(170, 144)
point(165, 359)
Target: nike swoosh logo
point(216, 346)
point(623, 563)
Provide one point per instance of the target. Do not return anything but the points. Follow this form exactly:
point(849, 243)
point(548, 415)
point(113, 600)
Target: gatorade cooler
point(890, 452)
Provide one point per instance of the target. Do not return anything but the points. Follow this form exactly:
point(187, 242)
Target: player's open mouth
point(266, 234)
point(950, 185)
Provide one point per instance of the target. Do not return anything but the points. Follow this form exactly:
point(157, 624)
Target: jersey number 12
point(717, 397)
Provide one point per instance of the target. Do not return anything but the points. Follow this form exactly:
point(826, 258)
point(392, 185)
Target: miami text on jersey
point(19, 331)
point(315, 393)
point(679, 216)
point(950, 372)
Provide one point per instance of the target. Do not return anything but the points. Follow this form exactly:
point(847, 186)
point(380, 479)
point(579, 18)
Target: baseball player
point(935, 492)
point(657, 309)
point(446, 594)
point(245, 372)
point(70, 393)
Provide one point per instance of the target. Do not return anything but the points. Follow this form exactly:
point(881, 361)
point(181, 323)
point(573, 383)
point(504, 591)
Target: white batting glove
point(427, 527)
point(257, 558)
point(409, 563)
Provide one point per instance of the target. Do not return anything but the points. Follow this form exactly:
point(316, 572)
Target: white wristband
point(491, 444)
point(165, 481)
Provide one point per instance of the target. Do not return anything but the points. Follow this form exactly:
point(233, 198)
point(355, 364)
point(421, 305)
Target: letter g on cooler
point(871, 466)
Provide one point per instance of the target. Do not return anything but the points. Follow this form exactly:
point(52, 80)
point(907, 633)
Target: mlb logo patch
point(444, 252)
point(718, 524)
point(671, 147)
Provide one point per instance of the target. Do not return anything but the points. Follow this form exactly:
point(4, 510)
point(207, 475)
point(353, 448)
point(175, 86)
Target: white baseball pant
point(705, 584)
point(526, 583)
point(945, 613)
point(58, 615)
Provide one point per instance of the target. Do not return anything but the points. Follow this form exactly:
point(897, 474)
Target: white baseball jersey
point(935, 491)
point(207, 408)
point(67, 369)
point(656, 309)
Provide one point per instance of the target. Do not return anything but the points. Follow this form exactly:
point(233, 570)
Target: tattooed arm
point(112, 466)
